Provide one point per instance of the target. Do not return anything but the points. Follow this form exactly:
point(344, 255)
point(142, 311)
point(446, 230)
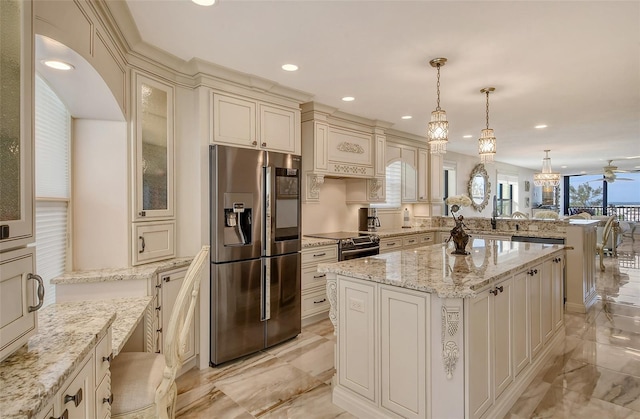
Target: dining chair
point(519, 214)
point(606, 232)
point(143, 383)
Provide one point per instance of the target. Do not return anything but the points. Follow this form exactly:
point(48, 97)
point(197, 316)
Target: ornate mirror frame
point(479, 200)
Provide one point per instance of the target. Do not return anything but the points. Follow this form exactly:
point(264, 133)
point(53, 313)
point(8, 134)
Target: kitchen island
point(426, 334)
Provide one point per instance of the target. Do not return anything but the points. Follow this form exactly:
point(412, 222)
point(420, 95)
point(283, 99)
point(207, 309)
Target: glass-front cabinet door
point(153, 116)
point(16, 124)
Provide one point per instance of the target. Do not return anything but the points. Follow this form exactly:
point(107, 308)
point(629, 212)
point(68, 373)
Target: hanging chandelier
point(438, 130)
point(547, 177)
point(487, 142)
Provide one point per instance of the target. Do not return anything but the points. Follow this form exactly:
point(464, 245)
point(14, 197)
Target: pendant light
point(547, 177)
point(438, 130)
point(487, 142)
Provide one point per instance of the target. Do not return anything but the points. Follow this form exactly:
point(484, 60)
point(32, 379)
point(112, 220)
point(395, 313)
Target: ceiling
point(574, 66)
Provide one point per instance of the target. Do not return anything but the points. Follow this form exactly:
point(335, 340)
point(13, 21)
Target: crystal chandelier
point(438, 131)
point(487, 142)
point(547, 177)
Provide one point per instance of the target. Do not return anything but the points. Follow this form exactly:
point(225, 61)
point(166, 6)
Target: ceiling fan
point(610, 173)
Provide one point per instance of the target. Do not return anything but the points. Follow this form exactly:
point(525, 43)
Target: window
point(449, 183)
point(507, 194)
point(393, 187)
point(52, 184)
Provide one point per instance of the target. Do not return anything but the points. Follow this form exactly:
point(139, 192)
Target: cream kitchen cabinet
point(357, 324)
point(423, 175)
point(403, 353)
point(21, 295)
point(404, 242)
point(166, 291)
point(153, 116)
point(16, 152)
point(519, 293)
point(409, 157)
point(86, 393)
point(313, 284)
point(153, 229)
point(489, 355)
point(390, 244)
point(534, 300)
point(153, 241)
point(250, 123)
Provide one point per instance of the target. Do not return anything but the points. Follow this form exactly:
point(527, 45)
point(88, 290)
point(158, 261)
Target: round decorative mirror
point(479, 187)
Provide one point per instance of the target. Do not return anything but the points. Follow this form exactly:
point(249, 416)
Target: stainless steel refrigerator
point(255, 244)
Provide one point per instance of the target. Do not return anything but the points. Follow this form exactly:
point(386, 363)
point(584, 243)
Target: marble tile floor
point(597, 375)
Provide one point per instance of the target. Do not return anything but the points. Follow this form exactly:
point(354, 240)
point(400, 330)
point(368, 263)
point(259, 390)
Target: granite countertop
point(142, 272)
point(315, 242)
point(435, 270)
point(67, 333)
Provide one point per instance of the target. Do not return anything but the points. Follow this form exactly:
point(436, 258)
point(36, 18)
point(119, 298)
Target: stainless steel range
point(352, 245)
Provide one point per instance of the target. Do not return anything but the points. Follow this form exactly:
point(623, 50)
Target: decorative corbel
point(314, 181)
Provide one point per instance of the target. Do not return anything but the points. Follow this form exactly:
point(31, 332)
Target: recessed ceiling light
point(204, 2)
point(563, 167)
point(583, 172)
point(348, 98)
point(58, 65)
point(467, 136)
point(290, 67)
point(540, 126)
point(407, 117)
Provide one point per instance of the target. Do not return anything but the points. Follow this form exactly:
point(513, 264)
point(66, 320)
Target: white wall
point(100, 180)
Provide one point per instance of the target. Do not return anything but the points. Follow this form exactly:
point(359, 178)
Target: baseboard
point(354, 404)
point(315, 318)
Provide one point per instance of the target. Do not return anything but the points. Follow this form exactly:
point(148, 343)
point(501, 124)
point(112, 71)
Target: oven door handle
point(363, 250)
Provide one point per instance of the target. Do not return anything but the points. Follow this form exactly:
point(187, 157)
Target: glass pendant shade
point(547, 177)
point(487, 146)
point(438, 132)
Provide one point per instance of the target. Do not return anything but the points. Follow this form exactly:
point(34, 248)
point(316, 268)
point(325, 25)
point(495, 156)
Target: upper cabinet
point(16, 129)
point(154, 152)
point(251, 123)
point(335, 144)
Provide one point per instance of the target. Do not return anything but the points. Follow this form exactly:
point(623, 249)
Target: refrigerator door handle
point(267, 210)
point(265, 300)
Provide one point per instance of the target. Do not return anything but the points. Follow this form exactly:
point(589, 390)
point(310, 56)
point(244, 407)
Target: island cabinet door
point(357, 363)
point(403, 320)
point(502, 336)
point(535, 305)
point(520, 323)
point(557, 279)
point(546, 298)
point(478, 316)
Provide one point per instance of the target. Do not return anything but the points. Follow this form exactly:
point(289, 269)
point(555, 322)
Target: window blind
point(393, 186)
point(52, 146)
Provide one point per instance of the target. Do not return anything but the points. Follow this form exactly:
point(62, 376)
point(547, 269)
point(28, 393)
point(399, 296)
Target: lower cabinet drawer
point(426, 239)
point(103, 357)
point(153, 241)
point(104, 398)
point(314, 302)
point(77, 398)
point(311, 278)
point(394, 243)
point(320, 254)
point(410, 241)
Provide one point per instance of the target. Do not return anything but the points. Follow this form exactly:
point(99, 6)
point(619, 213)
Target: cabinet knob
point(500, 288)
point(494, 292)
point(107, 358)
point(264, 144)
point(320, 301)
point(142, 213)
point(254, 143)
point(319, 276)
point(76, 398)
point(319, 254)
point(108, 400)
